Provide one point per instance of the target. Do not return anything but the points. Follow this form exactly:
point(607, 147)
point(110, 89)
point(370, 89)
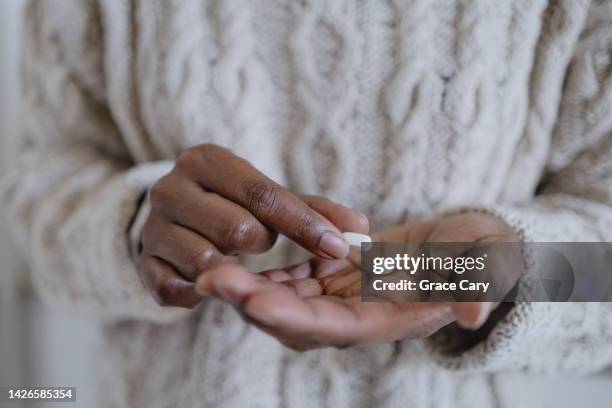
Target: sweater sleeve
point(574, 204)
point(74, 189)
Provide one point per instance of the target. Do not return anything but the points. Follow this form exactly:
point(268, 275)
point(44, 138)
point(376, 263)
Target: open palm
point(318, 303)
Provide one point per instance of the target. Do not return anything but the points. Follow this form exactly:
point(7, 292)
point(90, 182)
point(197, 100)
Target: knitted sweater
point(397, 109)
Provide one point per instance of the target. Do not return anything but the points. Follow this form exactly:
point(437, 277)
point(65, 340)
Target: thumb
point(472, 315)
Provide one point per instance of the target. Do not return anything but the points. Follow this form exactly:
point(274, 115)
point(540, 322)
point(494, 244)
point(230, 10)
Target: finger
point(277, 208)
point(235, 284)
point(329, 320)
point(301, 270)
point(323, 268)
point(187, 251)
point(472, 315)
point(167, 286)
point(229, 282)
point(342, 217)
point(228, 226)
point(345, 283)
point(277, 275)
point(304, 288)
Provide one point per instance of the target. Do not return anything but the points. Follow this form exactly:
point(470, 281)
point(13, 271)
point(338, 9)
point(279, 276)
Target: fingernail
point(333, 245)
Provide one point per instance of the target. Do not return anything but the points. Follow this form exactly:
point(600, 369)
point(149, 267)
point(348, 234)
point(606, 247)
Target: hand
point(318, 303)
point(471, 227)
point(214, 206)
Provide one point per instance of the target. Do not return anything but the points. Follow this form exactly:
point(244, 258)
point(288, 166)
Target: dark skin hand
point(214, 206)
point(318, 303)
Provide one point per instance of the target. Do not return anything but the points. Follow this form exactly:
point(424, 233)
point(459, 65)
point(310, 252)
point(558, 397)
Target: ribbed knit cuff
point(155, 171)
point(507, 343)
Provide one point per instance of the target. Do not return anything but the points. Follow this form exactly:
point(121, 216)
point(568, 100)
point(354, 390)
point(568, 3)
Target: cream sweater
point(397, 109)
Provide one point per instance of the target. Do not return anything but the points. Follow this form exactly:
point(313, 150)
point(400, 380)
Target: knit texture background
point(395, 108)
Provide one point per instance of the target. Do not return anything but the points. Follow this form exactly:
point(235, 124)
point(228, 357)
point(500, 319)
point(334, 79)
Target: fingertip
point(235, 285)
point(333, 245)
point(471, 315)
point(277, 275)
point(203, 286)
point(362, 223)
point(226, 281)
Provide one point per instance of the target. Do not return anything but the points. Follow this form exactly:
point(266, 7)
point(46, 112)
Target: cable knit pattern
point(398, 109)
point(327, 89)
point(408, 103)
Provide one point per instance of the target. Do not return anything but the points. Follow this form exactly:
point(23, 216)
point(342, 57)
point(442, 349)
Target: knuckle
point(190, 158)
point(161, 194)
point(164, 292)
point(208, 149)
point(305, 226)
point(262, 198)
point(200, 261)
point(240, 235)
point(195, 157)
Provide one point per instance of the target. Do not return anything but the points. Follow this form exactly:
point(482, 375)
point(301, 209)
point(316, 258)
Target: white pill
point(355, 239)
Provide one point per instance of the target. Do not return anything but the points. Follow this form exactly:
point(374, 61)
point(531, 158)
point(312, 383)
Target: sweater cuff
point(143, 178)
point(526, 331)
point(135, 298)
point(506, 342)
point(137, 225)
